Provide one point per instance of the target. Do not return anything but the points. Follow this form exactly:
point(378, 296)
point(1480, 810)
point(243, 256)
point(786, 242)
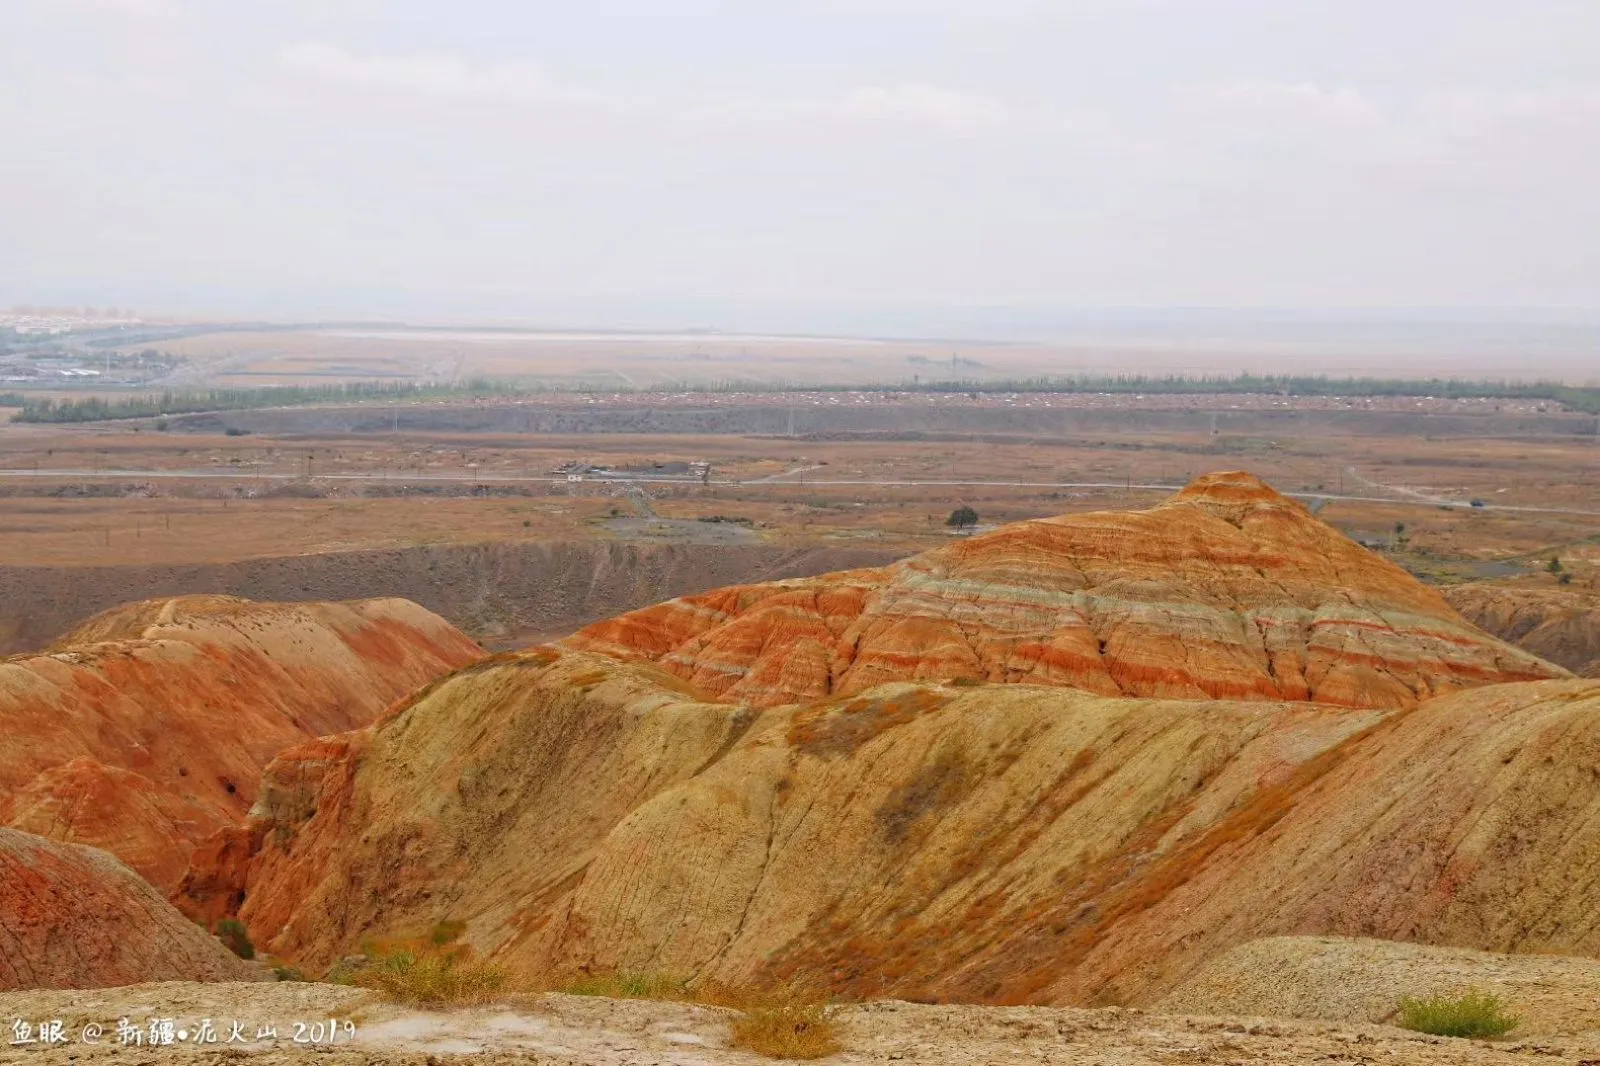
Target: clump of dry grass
point(428, 971)
point(796, 1029)
point(436, 978)
point(789, 1022)
point(628, 985)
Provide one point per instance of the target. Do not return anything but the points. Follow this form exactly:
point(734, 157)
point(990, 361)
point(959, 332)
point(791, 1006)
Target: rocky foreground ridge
point(146, 729)
point(559, 1030)
point(1006, 770)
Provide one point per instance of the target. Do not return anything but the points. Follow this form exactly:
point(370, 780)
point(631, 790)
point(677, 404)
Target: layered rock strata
point(148, 728)
point(1227, 591)
point(74, 917)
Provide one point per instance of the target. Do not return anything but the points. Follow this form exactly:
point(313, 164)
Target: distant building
point(674, 470)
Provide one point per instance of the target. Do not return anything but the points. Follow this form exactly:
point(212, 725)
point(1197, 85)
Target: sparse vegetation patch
point(783, 1023)
point(428, 973)
point(627, 985)
point(234, 936)
point(1473, 1014)
point(794, 1030)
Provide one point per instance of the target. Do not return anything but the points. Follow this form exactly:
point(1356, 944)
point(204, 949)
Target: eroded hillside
point(74, 917)
point(1227, 591)
point(572, 810)
point(147, 728)
point(1560, 623)
point(1468, 821)
point(968, 809)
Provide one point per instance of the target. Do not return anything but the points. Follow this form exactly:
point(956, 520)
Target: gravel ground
point(1350, 979)
point(565, 1031)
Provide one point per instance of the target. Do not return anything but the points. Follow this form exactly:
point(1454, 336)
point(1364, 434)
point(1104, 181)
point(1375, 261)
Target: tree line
point(1577, 397)
point(100, 409)
point(96, 409)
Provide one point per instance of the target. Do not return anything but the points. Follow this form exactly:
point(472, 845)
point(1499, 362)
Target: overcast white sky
point(693, 160)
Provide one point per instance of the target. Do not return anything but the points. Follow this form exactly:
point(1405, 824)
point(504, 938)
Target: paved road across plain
point(404, 477)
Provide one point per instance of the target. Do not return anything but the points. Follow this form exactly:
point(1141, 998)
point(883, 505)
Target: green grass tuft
point(1473, 1014)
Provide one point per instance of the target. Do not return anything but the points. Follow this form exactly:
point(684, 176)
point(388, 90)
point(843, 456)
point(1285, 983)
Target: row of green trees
point(1577, 397)
point(150, 405)
point(96, 409)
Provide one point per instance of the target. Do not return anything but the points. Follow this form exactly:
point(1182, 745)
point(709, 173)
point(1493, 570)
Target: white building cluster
point(55, 323)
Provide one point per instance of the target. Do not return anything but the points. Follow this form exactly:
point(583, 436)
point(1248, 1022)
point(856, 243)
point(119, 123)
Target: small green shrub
point(288, 973)
point(234, 936)
point(1474, 1014)
point(447, 932)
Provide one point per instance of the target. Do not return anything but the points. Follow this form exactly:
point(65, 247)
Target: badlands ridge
point(1065, 762)
point(1076, 761)
point(147, 728)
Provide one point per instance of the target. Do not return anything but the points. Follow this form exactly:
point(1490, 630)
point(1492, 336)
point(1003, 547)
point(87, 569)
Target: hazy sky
point(694, 160)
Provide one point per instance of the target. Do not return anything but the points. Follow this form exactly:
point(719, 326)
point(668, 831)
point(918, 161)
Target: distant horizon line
point(657, 312)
